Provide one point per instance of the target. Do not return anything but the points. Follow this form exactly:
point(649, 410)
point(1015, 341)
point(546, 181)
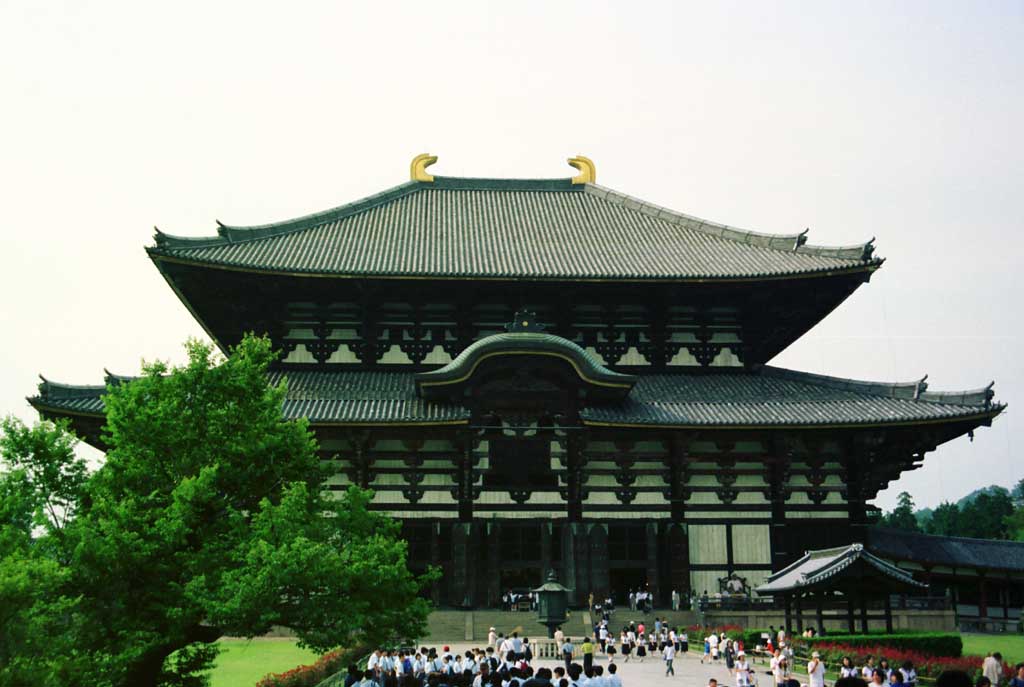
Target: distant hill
point(924, 515)
point(991, 489)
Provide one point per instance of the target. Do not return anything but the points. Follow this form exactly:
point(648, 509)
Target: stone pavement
point(651, 673)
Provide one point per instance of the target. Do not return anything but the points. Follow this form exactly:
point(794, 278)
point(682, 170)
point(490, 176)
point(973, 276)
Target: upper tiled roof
point(515, 229)
point(900, 545)
point(815, 568)
point(771, 398)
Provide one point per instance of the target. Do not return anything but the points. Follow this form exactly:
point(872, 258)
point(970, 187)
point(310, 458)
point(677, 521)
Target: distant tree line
point(990, 513)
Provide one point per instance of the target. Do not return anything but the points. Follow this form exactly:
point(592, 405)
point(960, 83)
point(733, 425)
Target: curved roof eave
point(525, 343)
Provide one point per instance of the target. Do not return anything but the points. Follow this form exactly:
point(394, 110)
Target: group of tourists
point(510, 601)
point(506, 661)
point(641, 600)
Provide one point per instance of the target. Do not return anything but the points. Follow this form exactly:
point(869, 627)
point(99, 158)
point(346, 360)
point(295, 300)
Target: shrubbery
point(312, 675)
point(928, 643)
point(927, 665)
point(307, 676)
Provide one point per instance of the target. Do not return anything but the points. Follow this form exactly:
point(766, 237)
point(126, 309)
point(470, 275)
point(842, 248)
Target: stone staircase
point(460, 626)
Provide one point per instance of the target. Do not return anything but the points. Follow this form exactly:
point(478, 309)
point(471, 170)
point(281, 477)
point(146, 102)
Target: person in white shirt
point(847, 669)
point(742, 670)
point(778, 667)
point(816, 671)
point(492, 637)
point(713, 641)
point(669, 655)
point(613, 679)
point(868, 670)
point(483, 678)
point(373, 663)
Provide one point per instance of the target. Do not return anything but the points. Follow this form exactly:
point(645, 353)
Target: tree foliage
point(902, 517)
point(208, 517)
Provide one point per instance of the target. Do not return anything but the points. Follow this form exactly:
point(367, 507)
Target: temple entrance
point(624, 580)
point(520, 580)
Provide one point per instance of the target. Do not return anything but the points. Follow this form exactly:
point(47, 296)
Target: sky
point(897, 120)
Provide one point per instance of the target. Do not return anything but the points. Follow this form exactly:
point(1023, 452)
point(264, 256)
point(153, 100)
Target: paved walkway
point(689, 670)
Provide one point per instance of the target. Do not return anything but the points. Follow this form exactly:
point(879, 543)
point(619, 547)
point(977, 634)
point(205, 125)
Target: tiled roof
point(355, 397)
point(778, 397)
point(515, 229)
point(772, 397)
point(816, 567)
point(900, 545)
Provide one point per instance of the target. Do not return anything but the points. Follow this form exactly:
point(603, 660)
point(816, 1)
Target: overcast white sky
point(897, 120)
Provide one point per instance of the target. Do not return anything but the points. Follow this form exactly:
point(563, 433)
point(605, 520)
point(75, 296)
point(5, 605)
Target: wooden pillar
point(819, 609)
point(545, 551)
point(788, 601)
point(494, 564)
point(864, 614)
point(851, 622)
point(435, 560)
point(982, 599)
point(799, 614)
point(1005, 590)
point(651, 532)
point(464, 480)
point(574, 476)
point(888, 613)
point(598, 538)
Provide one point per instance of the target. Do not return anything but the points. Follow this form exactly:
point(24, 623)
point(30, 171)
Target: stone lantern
point(552, 603)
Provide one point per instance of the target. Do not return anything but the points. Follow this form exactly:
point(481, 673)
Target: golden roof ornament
point(418, 167)
point(588, 172)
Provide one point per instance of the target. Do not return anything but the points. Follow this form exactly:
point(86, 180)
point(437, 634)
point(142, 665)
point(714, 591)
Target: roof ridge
point(227, 233)
point(973, 540)
point(915, 390)
point(787, 243)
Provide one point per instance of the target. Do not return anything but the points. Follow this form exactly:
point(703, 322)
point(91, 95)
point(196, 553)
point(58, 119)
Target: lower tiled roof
point(816, 567)
point(769, 398)
point(962, 552)
point(778, 397)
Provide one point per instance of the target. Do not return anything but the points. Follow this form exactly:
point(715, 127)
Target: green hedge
point(931, 643)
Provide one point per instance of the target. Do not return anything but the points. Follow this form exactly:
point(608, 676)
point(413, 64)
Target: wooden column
point(888, 613)
point(435, 560)
point(982, 599)
point(574, 476)
point(851, 622)
point(545, 551)
point(788, 605)
point(820, 612)
point(799, 614)
point(651, 531)
point(493, 563)
point(864, 614)
point(464, 480)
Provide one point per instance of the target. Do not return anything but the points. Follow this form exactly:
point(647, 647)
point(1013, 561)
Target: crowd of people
point(507, 661)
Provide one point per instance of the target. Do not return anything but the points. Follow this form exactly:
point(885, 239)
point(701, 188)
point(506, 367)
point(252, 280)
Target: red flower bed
point(924, 664)
point(307, 676)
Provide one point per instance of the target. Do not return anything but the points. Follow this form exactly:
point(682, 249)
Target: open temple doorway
point(520, 580)
point(624, 580)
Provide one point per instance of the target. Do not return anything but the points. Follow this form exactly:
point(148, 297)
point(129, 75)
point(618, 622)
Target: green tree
point(40, 479)
point(945, 520)
point(1018, 494)
point(984, 517)
point(210, 516)
point(902, 517)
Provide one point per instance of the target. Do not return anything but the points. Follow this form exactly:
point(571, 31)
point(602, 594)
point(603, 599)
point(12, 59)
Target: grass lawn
point(1011, 646)
point(242, 662)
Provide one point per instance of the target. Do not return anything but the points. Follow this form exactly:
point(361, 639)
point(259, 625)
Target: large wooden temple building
point(539, 374)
